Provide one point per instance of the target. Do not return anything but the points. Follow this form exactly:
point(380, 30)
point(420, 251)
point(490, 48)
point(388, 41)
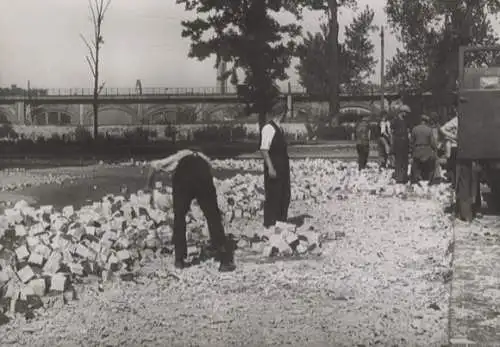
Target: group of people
point(192, 176)
point(192, 179)
point(399, 145)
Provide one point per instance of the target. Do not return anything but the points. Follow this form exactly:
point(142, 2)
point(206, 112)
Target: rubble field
point(361, 262)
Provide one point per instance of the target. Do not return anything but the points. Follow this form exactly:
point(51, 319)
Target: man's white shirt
point(268, 133)
point(170, 163)
point(450, 130)
point(385, 128)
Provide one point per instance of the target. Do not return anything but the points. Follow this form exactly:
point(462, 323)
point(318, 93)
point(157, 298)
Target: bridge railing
point(154, 91)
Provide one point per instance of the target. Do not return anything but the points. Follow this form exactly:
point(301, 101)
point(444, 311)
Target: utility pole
point(382, 72)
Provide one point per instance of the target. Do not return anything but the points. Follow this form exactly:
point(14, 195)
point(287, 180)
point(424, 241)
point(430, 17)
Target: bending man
point(192, 178)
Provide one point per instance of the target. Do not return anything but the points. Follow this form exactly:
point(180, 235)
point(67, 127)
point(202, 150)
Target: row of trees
point(247, 37)
point(245, 34)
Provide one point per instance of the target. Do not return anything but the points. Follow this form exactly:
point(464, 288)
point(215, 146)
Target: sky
point(40, 42)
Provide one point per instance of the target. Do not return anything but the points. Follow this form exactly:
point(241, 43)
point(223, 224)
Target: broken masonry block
point(22, 252)
point(35, 259)
point(58, 282)
point(25, 274)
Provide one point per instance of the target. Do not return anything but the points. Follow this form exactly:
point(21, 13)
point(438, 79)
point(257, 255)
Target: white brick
point(25, 274)
point(21, 230)
point(76, 268)
point(76, 231)
point(53, 263)
point(68, 211)
point(302, 247)
point(83, 251)
point(113, 259)
point(276, 241)
point(42, 250)
point(289, 236)
point(38, 286)
point(57, 282)
point(4, 277)
point(25, 292)
point(32, 242)
point(35, 259)
point(49, 209)
point(90, 230)
point(123, 255)
point(22, 252)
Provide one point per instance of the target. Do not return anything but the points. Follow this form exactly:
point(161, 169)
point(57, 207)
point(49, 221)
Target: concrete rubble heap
point(43, 252)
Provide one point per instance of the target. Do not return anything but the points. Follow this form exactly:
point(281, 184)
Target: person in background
point(384, 139)
point(192, 179)
point(401, 144)
point(449, 132)
point(362, 132)
point(434, 123)
point(273, 147)
point(424, 151)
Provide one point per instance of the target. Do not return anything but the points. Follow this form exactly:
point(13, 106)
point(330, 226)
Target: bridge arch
point(42, 115)
point(7, 115)
point(188, 112)
point(112, 115)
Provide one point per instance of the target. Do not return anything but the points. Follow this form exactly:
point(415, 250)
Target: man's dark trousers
point(423, 169)
point(193, 180)
point(401, 152)
point(277, 199)
point(363, 153)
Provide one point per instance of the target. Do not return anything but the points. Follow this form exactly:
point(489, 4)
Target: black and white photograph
point(254, 173)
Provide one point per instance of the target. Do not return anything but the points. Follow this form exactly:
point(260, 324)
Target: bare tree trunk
point(97, 10)
point(333, 95)
point(96, 85)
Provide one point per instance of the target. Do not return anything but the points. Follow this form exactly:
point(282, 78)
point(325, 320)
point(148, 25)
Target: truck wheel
point(494, 198)
point(463, 193)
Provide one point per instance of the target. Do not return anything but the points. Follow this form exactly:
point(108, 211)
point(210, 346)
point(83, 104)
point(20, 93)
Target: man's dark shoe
point(181, 264)
point(227, 267)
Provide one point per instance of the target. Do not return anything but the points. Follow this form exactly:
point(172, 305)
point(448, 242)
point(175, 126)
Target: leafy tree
point(356, 59)
point(431, 33)
point(331, 9)
point(244, 34)
point(358, 51)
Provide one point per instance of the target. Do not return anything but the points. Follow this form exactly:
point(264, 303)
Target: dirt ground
point(377, 285)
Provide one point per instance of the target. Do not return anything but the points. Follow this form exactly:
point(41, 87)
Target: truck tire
point(463, 191)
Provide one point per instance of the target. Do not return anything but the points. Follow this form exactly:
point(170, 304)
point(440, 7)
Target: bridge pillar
point(20, 108)
point(81, 114)
point(140, 113)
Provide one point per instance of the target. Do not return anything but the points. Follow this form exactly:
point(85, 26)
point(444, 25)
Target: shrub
point(82, 134)
point(7, 131)
point(225, 133)
point(140, 134)
point(333, 133)
point(171, 132)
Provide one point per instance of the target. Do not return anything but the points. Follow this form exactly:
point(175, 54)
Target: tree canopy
point(247, 37)
point(430, 33)
point(356, 57)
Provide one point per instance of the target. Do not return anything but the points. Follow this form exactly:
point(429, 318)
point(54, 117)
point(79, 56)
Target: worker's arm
point(269, 163)
point(267, 137)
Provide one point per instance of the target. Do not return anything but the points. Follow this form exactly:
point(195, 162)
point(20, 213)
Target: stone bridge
point(136, 114)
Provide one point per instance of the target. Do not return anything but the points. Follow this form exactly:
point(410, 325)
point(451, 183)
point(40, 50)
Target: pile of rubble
point(43, 251)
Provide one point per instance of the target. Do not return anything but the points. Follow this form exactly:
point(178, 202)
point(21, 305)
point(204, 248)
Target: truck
point(478, 129)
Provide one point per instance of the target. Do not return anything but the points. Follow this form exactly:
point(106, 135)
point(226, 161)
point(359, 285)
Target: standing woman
point(274, 151)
